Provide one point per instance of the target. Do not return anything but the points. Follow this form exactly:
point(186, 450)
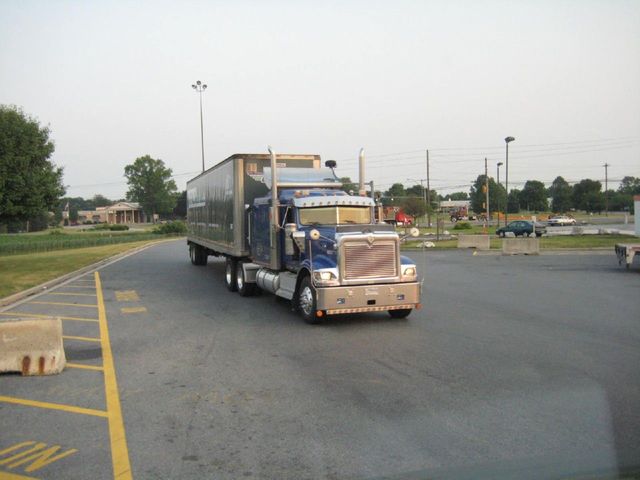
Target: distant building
point(449, 206)
point(121, 212)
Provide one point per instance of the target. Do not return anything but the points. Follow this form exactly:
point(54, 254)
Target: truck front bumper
point(368, 298)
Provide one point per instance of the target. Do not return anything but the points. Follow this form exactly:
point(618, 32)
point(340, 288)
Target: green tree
point(30, 184)
point(395, 195)
point(414, 207)
point(150, 184)
point(348, 185)
point(101, 201)
point(457, 196)
point(561, 193)
point(534, 196)
point(513, 204)
point(587, 196)
point(180, 210)
point(497, 195)
point(630, 186)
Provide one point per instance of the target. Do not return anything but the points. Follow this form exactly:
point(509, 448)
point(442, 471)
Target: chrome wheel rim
point(306, 301)
point(239, 278)
point(227, 275)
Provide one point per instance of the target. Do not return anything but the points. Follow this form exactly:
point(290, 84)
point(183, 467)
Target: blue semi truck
point(285, 226)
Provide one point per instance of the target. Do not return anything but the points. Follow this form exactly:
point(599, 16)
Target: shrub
point(118, 227)
point(177, 227)
point(56, 231)
point(462, 226)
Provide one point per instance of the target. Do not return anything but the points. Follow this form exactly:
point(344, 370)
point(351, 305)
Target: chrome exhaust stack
point(274, 260)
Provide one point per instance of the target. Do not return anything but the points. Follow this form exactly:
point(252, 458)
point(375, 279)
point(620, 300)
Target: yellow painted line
point(133, 309)
point(53, 406)
point(39, 315)
point(14, 476)
point(67, 294)
point(119, 450)
point(63, 304)
point(127, 296)
point(84, 339)
point(85, 367)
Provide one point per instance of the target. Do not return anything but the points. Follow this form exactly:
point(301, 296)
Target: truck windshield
point(335, 215)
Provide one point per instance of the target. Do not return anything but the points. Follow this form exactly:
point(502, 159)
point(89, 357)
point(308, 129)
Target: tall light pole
point(201, 87)
point(606, 189)
point(498, 189)
point(506, 178)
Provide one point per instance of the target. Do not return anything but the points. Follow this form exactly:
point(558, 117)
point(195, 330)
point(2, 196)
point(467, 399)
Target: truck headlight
point(409, 272)
point(325, 277)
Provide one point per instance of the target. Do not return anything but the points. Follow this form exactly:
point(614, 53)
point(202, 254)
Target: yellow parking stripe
point(64, 304)
point(67, 294)
point(85, 367)
point(119, 450)
point(39, 315)
point(14, 476)
point(127, 296)
point(133, 309)
point(84, 339)
point(53, 406)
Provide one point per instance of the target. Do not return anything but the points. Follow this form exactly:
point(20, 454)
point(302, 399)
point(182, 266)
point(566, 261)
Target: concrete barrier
point(521, 246)
point(32, 347)
point(479, 242)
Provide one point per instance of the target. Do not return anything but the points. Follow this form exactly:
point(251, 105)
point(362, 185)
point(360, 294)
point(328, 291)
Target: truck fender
point(304, 272)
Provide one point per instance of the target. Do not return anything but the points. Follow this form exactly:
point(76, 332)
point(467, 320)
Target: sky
point(112, 80)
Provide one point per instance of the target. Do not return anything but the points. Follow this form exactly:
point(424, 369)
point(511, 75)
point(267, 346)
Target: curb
point(9, 301)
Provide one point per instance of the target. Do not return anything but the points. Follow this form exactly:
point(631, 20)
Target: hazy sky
point(113, 82)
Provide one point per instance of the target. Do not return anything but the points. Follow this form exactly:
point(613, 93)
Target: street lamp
point(200, 87)
point(506, 178)
point(498, 189)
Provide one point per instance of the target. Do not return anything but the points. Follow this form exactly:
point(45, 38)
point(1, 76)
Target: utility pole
point(498, 190)
point(606, 189)
point(424, 192)
point(428, 194)
point(486, 189)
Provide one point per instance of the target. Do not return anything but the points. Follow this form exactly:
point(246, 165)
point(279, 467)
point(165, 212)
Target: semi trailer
point(285, 226)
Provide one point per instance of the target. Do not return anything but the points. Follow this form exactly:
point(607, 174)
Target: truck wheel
point(244, 289)
point(198, 255)
point(230, 274)
point(404, 313)
point(306, 301)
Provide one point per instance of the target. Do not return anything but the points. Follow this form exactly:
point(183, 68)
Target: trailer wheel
point(244, 289)
point(306, 301)
point(404, 313)
point(230, 274)
point(198, 255)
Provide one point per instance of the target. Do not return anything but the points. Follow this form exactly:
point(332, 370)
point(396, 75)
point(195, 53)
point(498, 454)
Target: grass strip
point(26, 243)
point(546, 243)
point(20, 272)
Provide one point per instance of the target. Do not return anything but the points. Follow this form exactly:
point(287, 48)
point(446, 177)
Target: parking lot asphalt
point(515, 364)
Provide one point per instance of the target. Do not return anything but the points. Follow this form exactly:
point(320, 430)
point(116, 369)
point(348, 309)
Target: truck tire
point(244, 289)
point(230, 274)
point(198, 255)
point(404, 313)
point(306, 301)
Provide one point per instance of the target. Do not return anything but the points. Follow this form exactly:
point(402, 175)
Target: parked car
point(522, 228)
point(560, 220)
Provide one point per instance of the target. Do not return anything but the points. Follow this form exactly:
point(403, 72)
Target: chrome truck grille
point(365, 260)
